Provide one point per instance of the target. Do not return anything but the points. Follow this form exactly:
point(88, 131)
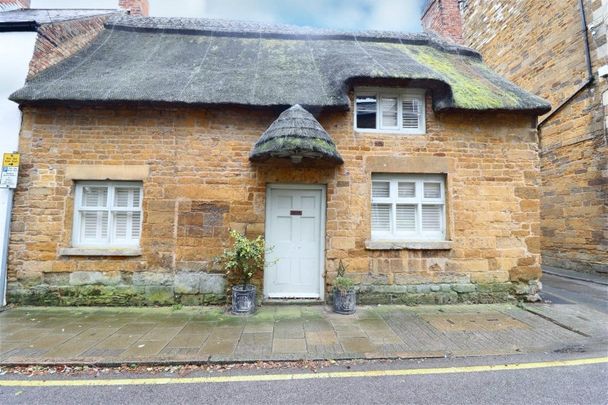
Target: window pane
point(410, 113)
point(93, 197)
point(381, 189)
point(366, 111)
point(94, 226)
point(126, 197)
point(406, 217)
point(389, 112)
point(432, 190)
point(381, 217)
point(431, 217)
point(407, 189)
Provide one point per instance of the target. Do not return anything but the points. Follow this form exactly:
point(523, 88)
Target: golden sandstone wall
point(198, 183)
point(539, 46)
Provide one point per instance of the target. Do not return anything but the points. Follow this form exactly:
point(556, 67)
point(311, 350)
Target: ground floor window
point(408, 207)
point(107, 214)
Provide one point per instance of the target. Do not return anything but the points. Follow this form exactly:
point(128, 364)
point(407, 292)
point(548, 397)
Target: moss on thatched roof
point(214, 62)
point(296, 133)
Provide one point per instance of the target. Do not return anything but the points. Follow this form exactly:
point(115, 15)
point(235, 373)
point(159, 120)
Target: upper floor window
point(107, 214)
point(408, 207)
point(390, 110)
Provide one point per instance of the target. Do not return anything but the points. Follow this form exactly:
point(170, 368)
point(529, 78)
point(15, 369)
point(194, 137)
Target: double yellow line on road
point(301, 376)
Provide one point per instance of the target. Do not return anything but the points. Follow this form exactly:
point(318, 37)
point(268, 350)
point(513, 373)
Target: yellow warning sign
point(10, 170)
point(10, 159)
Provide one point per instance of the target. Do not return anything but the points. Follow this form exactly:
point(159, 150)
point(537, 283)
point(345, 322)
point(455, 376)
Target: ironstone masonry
point(198, 183)
point(541, 46)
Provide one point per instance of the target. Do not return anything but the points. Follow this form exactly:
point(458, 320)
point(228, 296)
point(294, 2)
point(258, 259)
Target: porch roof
point(296, 134)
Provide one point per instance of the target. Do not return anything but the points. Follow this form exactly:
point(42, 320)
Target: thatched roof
point(214, 62)
point(296, 133)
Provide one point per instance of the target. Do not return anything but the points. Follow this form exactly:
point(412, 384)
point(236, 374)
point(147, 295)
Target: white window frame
point(378, 93)
point(418, 201)
point(78, 208)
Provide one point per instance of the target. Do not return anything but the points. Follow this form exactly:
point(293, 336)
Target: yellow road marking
point(302, 376)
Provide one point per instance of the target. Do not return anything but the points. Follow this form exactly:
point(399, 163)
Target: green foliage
point(176, 307)
point(244, 259)
point(342, 283)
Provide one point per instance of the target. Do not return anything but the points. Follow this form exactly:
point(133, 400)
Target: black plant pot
point(243, 299)
point(345, 302)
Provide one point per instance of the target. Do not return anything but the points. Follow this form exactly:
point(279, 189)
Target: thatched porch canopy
point(296, 134)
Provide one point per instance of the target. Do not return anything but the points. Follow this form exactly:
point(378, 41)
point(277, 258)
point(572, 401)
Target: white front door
point(295, 217)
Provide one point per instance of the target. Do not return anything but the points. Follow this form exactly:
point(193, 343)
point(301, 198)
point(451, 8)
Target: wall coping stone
point(74, 251)
point(411, 245)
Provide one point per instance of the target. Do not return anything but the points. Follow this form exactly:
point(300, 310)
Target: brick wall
point(135, 7)
point(443, 18)
point(200, 183)
point(57, 41)
point(539, 45)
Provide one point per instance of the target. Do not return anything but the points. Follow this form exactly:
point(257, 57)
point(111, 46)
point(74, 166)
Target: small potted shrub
point(242, 261)
point(345, 296)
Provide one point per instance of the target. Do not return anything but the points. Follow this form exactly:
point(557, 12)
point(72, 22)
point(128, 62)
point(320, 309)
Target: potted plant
point(242, 261)
point(345, 295)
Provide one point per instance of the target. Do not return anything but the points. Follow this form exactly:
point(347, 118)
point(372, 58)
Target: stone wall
point(60, 40)
point(198, 183)
point(539, 45)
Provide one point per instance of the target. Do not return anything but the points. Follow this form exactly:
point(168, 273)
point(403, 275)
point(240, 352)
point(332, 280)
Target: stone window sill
point(125, 252)
point(410, 245)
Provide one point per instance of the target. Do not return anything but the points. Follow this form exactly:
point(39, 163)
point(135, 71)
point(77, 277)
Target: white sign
point(10, 170)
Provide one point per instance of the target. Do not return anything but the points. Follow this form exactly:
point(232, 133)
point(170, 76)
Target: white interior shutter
point(410, 113)
point(406, 189)
point(136, 225)
point(121, 225)
point(431, 217)
point(381, 189)
point(94, 226)
point(406, 218)
point(389, 112)
point(381, 217)
point(432, 190)
point(94, 197)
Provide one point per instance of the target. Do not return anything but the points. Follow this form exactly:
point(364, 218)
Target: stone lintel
point(73, 251)
point(411, 245)
point(408, 164)
point(107, 172)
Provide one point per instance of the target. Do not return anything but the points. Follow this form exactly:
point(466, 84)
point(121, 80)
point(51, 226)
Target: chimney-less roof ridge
point(237, 28)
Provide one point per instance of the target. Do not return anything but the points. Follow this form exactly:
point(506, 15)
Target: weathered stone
point(187, 283)
point(94, 277)
point(152, 279)
point(159, 295)
point(212, 284)
point(464, 288)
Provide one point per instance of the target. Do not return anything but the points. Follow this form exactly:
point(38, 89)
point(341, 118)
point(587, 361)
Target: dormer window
point(390, 110)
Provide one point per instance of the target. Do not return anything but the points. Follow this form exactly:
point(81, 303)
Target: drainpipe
point(589, 79)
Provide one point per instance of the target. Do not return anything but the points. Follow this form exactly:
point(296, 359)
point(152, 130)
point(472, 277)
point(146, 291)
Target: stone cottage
point(557, 50)
point(402, 155)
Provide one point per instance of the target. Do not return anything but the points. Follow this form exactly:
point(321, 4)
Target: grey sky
point(398, 15)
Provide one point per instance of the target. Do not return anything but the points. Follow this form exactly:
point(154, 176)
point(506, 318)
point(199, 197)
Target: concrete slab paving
point(198, 334)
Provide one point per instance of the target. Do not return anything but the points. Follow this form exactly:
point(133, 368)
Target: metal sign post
point(8, 180)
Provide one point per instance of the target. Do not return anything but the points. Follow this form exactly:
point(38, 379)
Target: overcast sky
point(398, 15)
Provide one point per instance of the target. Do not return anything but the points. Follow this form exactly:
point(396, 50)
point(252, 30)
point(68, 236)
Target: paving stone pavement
point(194, 334)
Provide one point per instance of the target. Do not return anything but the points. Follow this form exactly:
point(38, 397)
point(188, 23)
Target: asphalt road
point(574, 384)
point(560, 290)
